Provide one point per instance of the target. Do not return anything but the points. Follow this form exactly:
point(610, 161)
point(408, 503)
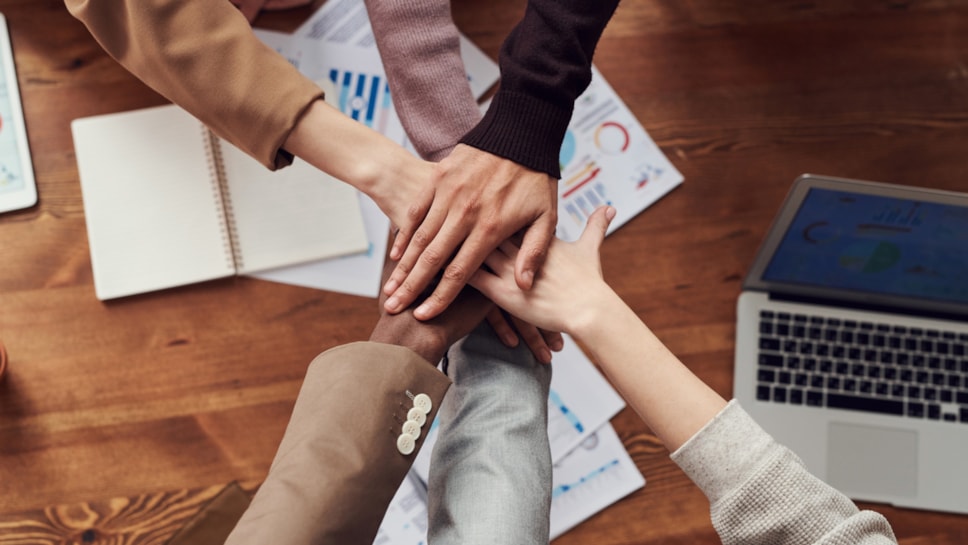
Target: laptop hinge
point(871, 307)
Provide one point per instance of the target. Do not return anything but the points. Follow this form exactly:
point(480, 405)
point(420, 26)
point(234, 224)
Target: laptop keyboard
point(863, 366)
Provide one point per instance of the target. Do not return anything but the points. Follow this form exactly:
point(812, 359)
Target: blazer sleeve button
point(406, 443)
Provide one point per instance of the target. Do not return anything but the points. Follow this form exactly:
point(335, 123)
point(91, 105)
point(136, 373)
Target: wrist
point(347, 149)
point(395, 177)
point(524, 129)
point(601, 307)
point(404, 330)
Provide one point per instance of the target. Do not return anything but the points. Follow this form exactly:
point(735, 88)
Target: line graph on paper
point(594, 475)
point(585, 480)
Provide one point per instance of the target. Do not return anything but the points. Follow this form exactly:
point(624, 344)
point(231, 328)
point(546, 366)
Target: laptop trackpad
point(864, 460)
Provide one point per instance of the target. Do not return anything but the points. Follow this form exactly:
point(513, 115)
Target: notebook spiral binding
point(230, 233)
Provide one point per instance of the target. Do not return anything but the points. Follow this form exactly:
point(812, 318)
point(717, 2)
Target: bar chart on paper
point(607, 158)
point(364, 97)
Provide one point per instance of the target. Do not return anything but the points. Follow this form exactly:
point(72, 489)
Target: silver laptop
point(852, 339)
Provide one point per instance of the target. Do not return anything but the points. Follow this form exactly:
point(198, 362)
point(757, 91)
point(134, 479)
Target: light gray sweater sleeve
point(760, 493)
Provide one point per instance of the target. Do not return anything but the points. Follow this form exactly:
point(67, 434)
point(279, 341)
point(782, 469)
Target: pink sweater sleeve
point(420, 48)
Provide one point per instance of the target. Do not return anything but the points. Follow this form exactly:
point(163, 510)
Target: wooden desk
point(130, 413)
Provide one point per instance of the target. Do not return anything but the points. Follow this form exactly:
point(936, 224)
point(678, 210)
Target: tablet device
point(17, 187)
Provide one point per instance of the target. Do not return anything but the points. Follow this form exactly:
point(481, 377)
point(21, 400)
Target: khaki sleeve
point(338, 465)
point(203, 56)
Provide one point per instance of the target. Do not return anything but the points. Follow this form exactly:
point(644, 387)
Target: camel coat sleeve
point(338, 465)
point(203, 56)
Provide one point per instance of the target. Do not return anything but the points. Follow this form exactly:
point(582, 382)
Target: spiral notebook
point(167, 204)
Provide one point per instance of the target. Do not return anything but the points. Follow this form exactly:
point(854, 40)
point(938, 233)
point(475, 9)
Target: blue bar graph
point(363, 97)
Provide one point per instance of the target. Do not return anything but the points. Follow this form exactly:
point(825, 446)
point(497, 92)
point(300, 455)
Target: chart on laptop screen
point(877, 244)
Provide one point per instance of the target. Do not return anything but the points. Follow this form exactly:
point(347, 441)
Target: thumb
point(596, 227)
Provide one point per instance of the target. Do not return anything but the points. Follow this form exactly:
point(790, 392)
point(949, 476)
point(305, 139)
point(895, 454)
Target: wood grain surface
point(117, 420)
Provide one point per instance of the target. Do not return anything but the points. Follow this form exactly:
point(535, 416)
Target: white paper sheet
point(598, 473)
point(357, 274)
point(580, 401)
point(355, 73)
point(608, 158)
point(406, 518)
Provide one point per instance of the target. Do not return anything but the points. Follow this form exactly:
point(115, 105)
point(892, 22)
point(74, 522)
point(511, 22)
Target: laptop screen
point(881, 243)
point(875, 243)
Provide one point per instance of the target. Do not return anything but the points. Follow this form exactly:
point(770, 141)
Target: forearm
point(357, 155)
point(492, 437)
point(739, 467)
point(545, 65)
point(339, 464)
point(672, 401)
point(203, 56)
point(760, 492)
point(420, 48)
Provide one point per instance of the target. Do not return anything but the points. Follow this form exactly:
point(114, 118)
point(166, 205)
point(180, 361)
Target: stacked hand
point(431, 338)
point(475, 202)
point(567, 289)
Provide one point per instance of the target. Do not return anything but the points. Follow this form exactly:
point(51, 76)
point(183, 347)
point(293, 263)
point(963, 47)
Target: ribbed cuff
point(723, 455)
point(523, 129)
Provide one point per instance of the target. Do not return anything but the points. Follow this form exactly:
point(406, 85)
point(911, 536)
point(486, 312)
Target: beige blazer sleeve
point(203, 56)
point(338, 465)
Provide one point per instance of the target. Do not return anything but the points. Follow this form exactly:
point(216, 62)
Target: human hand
point(431, 338)
point(478, 201)
point(567, 288)
point(508, 328)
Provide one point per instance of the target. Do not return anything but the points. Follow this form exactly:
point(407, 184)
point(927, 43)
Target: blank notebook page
point(153, 216)
point(292, 215)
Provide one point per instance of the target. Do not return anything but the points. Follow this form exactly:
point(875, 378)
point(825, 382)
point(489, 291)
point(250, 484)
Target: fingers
point(597, 226)
point(534, 250)
point(419, 241)
point(501, 260)
point(474, 250)
point(553, 339)
point(452, 281)
point(502, 328)
point(486, 283)
point(400, 241)
point(415, 215)
point(468, 310)
point(534, 339)
point(409, 278)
